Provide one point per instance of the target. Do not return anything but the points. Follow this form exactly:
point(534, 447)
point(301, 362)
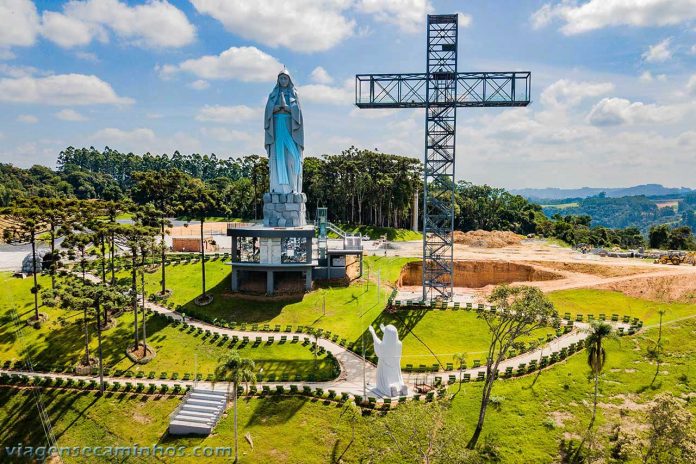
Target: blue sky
point(614, 81)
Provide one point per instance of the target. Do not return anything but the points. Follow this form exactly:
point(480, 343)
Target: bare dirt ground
point(635, 277)
point(665, 288)
point(600, 270)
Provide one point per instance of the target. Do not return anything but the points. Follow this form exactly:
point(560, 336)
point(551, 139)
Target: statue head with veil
point(284, 136)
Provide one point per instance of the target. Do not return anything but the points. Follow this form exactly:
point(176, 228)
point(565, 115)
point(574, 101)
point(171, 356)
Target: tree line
point(359, 187)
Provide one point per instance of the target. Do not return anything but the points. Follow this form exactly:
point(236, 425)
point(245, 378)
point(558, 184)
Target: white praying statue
point(388, 350)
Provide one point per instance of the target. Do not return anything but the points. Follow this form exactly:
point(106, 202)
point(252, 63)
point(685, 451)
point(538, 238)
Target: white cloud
point(87, 56)
point(17, 71)
point(114, 137)
point(691, 85)
point(597, 14)
point(619, 111)
point(693, 50)
point(564, 93)
point(156, 23)
point(223, 134)
point(27, 118)
point(238, 113)
point(19, 23)
point(143, 140)
point(67, 31)
point(61, 89)
point(300, 25)
point(199, 84)
point(465, 19)
point(319, 93)
point(659, 52)
point(248, 64)
point(409, 15)
point(320, 76)
point(647, 76)
point(6, 54)
point(70, 115)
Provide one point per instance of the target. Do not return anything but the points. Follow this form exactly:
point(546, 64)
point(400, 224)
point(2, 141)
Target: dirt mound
point(666, 289)
point(487, 239)
point(479, 274)
point(594, 269)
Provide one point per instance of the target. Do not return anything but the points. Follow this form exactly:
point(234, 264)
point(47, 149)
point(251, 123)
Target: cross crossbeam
point(474, 90)
point(441, 90)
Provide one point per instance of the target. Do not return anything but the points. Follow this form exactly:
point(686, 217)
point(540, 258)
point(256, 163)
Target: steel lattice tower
point(441, 90)
point(440, 138)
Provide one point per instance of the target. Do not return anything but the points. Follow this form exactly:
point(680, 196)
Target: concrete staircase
point(199, 412)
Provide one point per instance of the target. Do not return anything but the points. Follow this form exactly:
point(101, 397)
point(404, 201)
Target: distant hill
point(584, 192)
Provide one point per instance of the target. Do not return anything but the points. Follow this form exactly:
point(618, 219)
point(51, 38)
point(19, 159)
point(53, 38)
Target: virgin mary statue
point(284, 136)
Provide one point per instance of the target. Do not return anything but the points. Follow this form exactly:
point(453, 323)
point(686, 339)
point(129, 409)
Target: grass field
point(60, 342)
point(590, 301)
point(526, 425)
point(375, 233)
point(562, 205)
point(428, 337)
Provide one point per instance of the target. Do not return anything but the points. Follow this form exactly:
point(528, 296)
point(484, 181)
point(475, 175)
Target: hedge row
point(92, 384)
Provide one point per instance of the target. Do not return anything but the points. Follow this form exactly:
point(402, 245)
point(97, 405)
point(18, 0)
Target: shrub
point(279, 389)
point(164, 388)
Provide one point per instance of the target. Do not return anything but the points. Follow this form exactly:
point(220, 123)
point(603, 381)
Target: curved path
point(357, 376)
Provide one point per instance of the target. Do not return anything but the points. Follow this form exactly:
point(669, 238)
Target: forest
point(358, 186)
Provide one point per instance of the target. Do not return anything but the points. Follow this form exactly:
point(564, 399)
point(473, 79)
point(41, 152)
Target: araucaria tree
point(520, 311)
point(162, 190)
point(135, 238)
point(199, 202)
point(23, 226)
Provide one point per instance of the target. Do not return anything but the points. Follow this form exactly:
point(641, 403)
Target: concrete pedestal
point(284, 210)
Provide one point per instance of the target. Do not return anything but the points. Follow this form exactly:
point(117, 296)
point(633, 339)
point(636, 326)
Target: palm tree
point(461, 359)
point(236, 370)
point(596, 359)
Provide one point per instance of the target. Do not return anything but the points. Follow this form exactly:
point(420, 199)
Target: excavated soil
point(593, 269)
point(487, 239)
point(666, 289)
point(479, 274)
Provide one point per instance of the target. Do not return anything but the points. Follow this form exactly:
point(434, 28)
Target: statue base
point(284, 210)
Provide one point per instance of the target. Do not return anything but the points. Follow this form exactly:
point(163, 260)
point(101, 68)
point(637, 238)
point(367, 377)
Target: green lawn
point(562, 205)
point(589, 301)
point(393, 234)
point(60, 342)
point(526, 426)
point(429, 337)
point(348, 308)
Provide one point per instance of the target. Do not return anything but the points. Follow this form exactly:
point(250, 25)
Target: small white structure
point(199, 413)
point(389, 380)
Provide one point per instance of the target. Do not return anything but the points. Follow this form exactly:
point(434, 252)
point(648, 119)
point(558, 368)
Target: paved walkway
point(352, 367)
